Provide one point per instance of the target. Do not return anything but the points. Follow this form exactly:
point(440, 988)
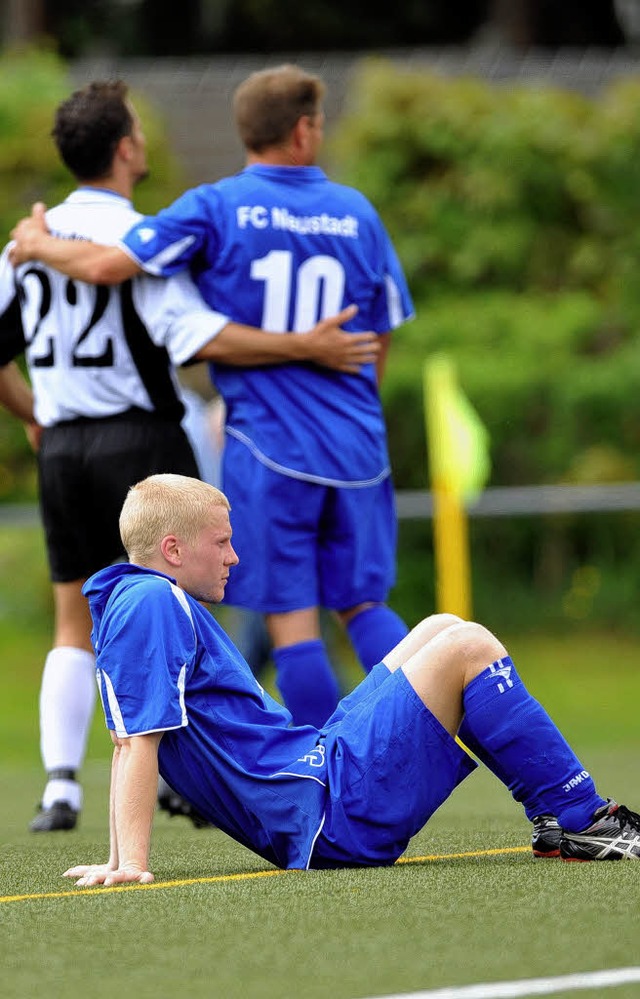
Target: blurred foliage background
point(515, 212)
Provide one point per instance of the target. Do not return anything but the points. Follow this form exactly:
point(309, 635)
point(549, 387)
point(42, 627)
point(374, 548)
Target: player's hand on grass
point(334, 348)
point(102, 874)
point(26, 234)
point(89, 873)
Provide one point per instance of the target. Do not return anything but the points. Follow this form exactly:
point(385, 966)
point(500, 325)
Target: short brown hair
point(89, 125)
point(270, 102)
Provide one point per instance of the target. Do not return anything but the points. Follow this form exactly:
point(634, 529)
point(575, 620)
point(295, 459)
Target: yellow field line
point(457, 856)
point(218, 878)
point(135, 887)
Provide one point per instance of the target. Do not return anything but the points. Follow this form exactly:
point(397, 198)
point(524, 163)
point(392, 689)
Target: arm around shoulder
point(77, 258)
point(327, 345)
point(86, 261)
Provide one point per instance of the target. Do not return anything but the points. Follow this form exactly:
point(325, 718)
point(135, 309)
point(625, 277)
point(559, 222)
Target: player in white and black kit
point(102, 365)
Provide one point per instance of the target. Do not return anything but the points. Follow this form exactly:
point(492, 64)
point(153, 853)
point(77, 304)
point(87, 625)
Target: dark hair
point(89, 125)
point(269, 103)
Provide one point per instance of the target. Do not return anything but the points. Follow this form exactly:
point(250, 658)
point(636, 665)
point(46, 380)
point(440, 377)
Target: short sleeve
point(146, 654)
point(165, 243)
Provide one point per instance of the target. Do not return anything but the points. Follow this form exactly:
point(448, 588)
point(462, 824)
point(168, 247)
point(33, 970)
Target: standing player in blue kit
point(305, 465)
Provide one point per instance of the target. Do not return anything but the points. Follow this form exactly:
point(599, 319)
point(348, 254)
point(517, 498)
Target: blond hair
point(165, 504)
point(269, 104)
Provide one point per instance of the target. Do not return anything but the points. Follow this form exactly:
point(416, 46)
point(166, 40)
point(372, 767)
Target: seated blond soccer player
point(177, 695)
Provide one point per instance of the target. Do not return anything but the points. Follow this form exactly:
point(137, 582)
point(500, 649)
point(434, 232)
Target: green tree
point(515, 211)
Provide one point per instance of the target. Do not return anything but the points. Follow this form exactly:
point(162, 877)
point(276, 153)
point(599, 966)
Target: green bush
point(515, 212)
point(550, 381)
point(32, 84)
point(487, 186)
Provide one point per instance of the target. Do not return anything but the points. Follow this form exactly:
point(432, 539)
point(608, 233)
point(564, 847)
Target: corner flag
point(459, 464)
point(458, 441)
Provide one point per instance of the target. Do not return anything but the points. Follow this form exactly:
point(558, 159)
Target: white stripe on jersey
point(164, 259)
point(397, 314)
point(304, 476)
point(182, 600)
point(114, 707)
point(182, 682)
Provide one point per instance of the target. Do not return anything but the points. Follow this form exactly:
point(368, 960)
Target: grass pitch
point(210, 928)
point(218, 922)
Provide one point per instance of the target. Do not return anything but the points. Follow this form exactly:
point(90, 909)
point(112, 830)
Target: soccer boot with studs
point(614, 834)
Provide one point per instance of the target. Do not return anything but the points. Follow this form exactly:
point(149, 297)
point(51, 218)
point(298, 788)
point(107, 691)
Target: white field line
point(529, 986)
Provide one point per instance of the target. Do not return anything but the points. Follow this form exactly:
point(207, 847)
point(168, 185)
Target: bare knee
point(292, 627)
point(441, 668)
point(473, 646)
point(345, 616)
point(434, 625)
point(443, 620)
point(72, 616)
point(426, 632)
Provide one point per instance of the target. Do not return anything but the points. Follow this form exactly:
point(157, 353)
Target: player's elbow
point(217, 349)
point(211, 351)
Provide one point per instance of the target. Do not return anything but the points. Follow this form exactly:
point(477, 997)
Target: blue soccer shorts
point(302, 544)
point(390, 765)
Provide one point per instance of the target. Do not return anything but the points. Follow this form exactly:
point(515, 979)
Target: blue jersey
point(281, 248)
point(354, 792)
point(164, 664)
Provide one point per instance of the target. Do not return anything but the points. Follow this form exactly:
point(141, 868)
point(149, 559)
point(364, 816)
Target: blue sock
point(523, 747)
point(374, 632)
point(532, 804)
point(306, 681)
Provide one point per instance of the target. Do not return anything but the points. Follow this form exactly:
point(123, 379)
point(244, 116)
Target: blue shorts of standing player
point(324, 545)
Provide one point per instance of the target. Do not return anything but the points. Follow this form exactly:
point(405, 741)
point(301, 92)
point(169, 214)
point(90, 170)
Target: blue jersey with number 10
point(281, 248)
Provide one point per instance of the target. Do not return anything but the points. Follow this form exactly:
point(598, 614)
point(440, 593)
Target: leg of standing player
point(357, 568)
point(66, 706)
point(275, 527)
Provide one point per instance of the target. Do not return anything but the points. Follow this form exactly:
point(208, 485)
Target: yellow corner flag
point(459, 464)
point(458, 441)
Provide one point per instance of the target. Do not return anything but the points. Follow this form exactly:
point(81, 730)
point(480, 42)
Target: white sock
point(62, 790)
point(67, 702)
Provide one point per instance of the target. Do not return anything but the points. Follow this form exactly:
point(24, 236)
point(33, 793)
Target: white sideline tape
point(529, 986)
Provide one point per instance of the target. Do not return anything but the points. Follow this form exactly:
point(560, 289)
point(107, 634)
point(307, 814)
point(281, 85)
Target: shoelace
point(628, 818)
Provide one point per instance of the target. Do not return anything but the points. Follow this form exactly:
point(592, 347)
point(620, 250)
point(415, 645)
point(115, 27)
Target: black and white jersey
point(92, 350)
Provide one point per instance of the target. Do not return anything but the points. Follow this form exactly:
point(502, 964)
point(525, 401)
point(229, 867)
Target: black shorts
point(85, 470)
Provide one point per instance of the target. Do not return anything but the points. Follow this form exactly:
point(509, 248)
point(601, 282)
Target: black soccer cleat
point(170, 801)
point(613, 835)
point(61, 817)
point(545, 836)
